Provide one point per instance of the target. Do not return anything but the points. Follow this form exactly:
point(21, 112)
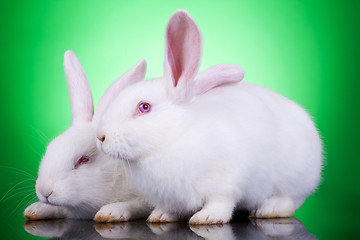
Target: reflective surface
point(287, 228)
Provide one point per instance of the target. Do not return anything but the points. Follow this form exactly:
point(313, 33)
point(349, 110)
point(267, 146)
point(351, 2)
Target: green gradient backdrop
point(305, 50)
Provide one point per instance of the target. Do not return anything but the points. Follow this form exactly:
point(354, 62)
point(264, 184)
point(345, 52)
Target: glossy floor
point(289, 228)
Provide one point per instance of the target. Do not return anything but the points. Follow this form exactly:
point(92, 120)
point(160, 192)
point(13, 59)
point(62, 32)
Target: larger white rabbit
point(75, 179)
point(206, 144)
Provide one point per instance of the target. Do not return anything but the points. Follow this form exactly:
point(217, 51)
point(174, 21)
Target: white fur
point(97, 185)
point(236, 146)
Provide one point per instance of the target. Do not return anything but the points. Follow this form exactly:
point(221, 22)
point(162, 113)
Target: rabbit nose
point(101, 138)
point(48, 195)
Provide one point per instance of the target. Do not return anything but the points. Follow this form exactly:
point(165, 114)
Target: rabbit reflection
point(62, 229)
point(262, 229)
point(89, 230)
point(259, 229)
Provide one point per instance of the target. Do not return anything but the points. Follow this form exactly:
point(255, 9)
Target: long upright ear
point(132, 76)
point(81, 102)
point(183, 51)
point(216, 76)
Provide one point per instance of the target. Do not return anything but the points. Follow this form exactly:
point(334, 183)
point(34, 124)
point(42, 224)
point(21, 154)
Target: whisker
point(33, 149)
point(20, 189)
point(36, 138)
point(41, 134)
point(127, 174)
point(20, 171)
point(22, 201)
point(31, 201)
point(26, 180)
point(127, 160)
point(19, 193)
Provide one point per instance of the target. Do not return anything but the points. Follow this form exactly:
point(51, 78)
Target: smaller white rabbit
point(207, 144)
point(76, 180)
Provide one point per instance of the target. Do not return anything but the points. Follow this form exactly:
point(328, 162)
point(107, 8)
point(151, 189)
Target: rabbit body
point(207, 143)
point(245, 141)
point(242, 143)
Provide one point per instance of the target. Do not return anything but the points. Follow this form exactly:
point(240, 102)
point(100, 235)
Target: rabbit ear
point(134, 75)
point(216, 76)
point(79, 89)
point(183, 52)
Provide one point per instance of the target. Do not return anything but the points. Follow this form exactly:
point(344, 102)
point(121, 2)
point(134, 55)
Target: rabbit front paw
point(159, 215)
point(209, 216)
point(216, 210)
point(39, 210)
point(113, 212)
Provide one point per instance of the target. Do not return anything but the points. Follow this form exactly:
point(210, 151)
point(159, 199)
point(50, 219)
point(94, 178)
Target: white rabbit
point(75, 180)
point(206, 144)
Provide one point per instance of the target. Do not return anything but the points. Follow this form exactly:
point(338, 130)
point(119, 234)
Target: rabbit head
point(151, 114)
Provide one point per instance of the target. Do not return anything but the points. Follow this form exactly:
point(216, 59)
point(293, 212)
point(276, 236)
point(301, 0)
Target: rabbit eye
point(81, 161)
point(144, 107)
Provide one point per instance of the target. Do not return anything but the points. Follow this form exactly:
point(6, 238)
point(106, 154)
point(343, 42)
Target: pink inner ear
point(183, 48)
point(174, 69)
point(79, 89)
point(216, 76)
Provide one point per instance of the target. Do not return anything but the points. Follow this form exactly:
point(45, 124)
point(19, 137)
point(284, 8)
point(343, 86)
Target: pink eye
point(81, 161)
point(144, 107)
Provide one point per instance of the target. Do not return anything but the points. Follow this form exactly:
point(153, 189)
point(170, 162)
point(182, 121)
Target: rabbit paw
point(39, 210)
point(209, 216)
point(161, 216)
point(113, 212)
point(274, 207)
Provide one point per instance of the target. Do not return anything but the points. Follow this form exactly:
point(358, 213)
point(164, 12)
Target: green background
point(306, 50)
